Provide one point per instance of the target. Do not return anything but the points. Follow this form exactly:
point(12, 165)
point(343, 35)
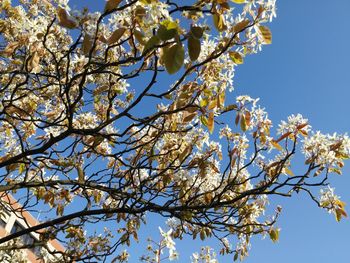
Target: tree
point(109, 117)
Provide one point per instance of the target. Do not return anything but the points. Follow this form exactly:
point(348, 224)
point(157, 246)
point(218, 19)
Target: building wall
point(23, 219)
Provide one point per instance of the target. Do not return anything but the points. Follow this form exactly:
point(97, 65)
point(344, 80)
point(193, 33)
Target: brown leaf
point(116, 35)
point(188, 116)
point(65, 20)
point(87, 44)
point(265, 34)
point(140, 37)
point(33, 63)
point(241, 25)
point(10, 48)
point(111, 4)
point(197, 32)
point(243, 123)
point(219, 22)
point(247, 117)
point(237, 119)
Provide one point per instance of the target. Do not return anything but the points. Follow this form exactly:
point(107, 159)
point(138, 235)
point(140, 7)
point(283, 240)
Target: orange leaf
point(211, 122)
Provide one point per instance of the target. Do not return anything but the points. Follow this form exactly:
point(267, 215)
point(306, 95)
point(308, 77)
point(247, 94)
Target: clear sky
point(305, 70)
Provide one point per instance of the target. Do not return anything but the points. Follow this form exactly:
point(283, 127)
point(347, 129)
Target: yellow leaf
point(212, 104)
point(319, 171)
point(219, 22)
point(276, 145)
point(204, 102)
point(204, 120)
point(265, 34)
point(168, 24)
point(289, 172)
point(339, 213)
point(236, 57)
point(145, 2)
point(21, 168)
point(221, 100)
point(340, 203)
point(238, 1)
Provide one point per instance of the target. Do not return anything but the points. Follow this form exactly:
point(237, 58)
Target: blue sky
point(305, 70)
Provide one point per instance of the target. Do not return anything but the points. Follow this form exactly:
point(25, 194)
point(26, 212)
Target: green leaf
point(204, 102)
point(236, 57)
point(166, 34)
point(274, 235)
point(169, 24)
point(173, 58)
point(204, 120)
point(186, 215)
point(22, 168)
point(150, 45)
point(194, 48)
point(146, 2)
